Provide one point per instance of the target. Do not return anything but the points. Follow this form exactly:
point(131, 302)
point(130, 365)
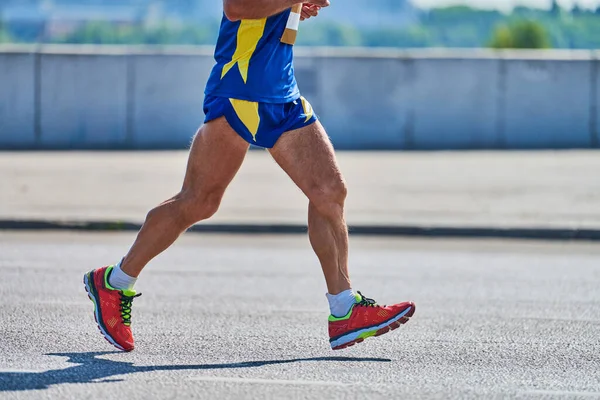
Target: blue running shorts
point(260, 124)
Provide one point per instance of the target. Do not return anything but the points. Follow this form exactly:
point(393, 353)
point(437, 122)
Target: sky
point(506, 4)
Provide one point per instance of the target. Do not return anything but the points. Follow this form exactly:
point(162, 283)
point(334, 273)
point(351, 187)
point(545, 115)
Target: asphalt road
point(236, 317)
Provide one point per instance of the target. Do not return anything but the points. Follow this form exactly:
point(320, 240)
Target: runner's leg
point(216, 155)
point(307, 156)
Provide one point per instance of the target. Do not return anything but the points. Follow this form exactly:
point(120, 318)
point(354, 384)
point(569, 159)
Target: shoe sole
point(92, 296)
point(358, 337)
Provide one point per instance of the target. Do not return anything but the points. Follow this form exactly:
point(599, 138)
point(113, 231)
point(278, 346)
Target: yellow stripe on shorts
point(247, 112)
point(308, 110)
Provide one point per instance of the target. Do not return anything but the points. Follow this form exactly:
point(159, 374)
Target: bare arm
point(257, 9)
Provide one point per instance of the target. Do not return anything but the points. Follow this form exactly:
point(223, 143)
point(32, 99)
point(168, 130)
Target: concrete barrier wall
point(361, 105)
point(455, 103)
point(73, 97)
point(548, 103)
point(17, 100)
point(83, 101)
point(168, 93)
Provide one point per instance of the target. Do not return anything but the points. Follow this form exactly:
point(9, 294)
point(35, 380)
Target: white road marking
point(21, 371)
point(266, 381)
point(561, 393)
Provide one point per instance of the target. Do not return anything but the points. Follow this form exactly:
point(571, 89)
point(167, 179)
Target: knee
point(189, 208)
point(201, 206)
point(329, 198)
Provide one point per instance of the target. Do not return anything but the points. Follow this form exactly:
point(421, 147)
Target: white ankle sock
point(340, 304)
point(119, 279)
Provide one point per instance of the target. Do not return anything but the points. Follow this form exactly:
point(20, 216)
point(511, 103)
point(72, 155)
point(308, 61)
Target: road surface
point(244, 317)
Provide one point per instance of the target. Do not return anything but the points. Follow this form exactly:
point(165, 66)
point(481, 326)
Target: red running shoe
point(365, 319)
point(112, 308)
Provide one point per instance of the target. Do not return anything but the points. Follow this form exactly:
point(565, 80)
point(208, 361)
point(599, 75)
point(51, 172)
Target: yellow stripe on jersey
point(247, 112)
point(248, 35)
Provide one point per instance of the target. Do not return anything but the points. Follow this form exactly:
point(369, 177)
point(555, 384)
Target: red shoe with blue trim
point(366, 319)
point(112, 308)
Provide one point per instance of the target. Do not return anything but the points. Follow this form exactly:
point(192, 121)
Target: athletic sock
point(340, 304)
point(119, 279)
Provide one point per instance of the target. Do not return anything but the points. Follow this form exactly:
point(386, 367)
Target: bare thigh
point(216, 155)
point(307, 156)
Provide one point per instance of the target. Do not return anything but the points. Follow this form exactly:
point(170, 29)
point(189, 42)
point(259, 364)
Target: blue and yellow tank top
point(252, 63)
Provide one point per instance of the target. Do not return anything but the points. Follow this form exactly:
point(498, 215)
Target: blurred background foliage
point(388, 24)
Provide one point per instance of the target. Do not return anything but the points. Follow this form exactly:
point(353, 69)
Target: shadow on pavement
point(91, 369)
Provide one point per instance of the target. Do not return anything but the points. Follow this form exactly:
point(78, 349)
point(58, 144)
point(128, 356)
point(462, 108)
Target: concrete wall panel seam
point(594, 94)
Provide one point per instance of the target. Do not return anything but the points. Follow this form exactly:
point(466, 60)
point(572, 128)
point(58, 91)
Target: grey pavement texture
point(438, 189)
point(234, 317)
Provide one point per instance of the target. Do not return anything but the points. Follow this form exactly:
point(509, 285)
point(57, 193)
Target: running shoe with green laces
point(365, 319)
point(112, 308)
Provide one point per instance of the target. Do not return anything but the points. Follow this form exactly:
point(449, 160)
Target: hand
point(309, 10)
point(319, 3)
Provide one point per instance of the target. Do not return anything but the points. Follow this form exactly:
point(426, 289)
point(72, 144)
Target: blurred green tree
point(555, 9)
point(457, 26)
point(4, 36)
point(502, 38)
point(577, 10)
point(320, 34)
point(105, 33)
point(522, 34)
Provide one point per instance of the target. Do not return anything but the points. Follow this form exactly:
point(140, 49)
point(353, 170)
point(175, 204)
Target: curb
point(360, 230)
